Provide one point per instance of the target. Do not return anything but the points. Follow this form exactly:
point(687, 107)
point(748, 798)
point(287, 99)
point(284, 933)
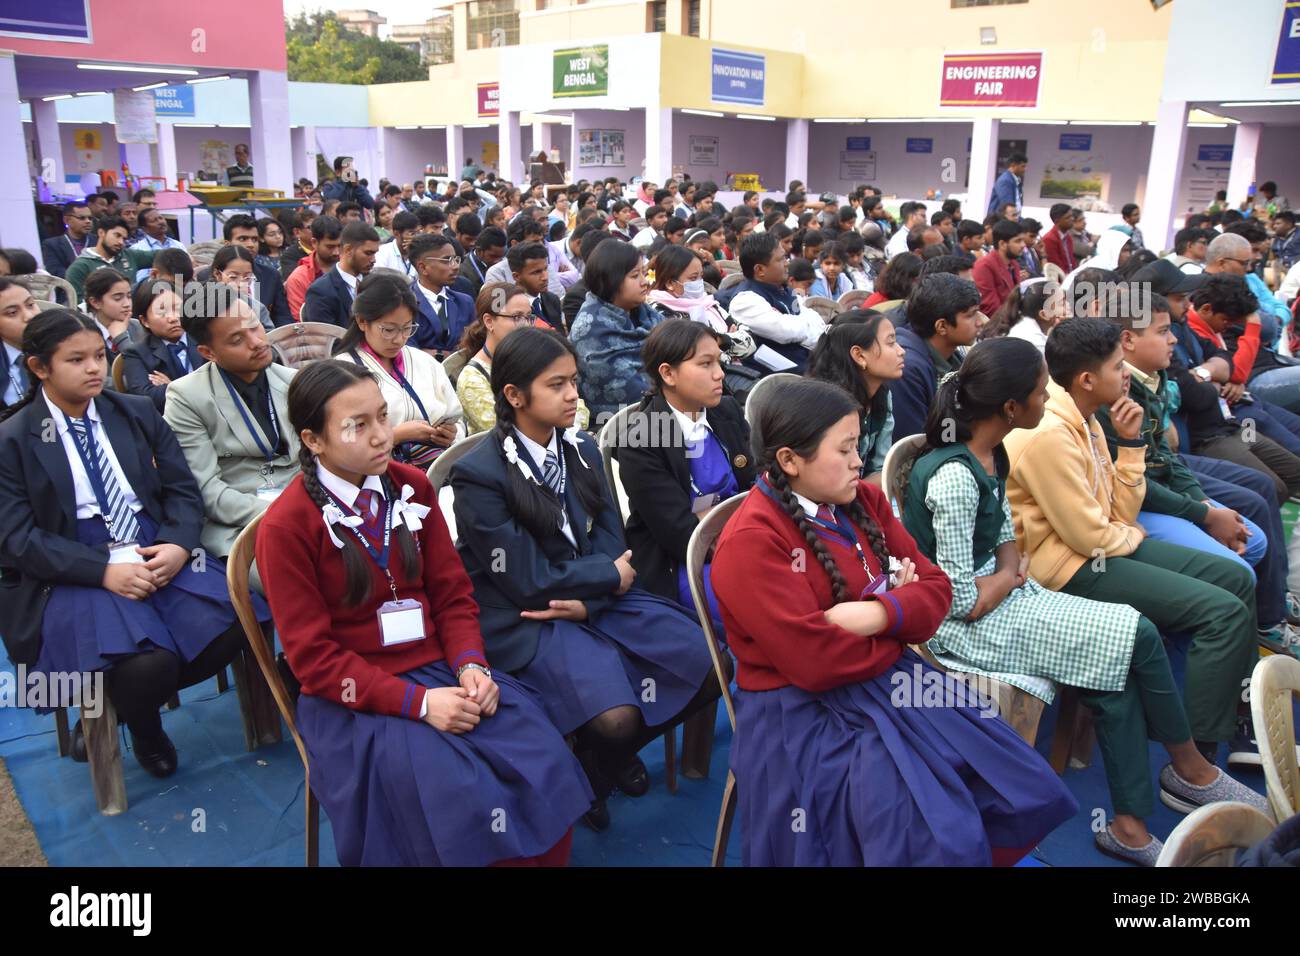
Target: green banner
point(581, 71)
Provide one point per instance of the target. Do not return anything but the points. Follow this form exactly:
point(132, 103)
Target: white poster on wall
point(857, 165)
point(704, 150)
point(133, 117)
point(600, 147)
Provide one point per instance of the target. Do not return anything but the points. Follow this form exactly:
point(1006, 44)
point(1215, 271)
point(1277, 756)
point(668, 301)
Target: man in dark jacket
point(942, 316)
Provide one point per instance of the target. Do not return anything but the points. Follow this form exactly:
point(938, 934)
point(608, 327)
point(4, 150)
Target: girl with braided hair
point(418, 751)
point(844, 755)
point(543, 542)
point(1003, 622)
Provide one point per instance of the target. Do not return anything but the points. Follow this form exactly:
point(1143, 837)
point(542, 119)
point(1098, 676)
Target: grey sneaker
point(1292, 608)
point(1281, 638)
point(1109, 844)
point(1177, 794)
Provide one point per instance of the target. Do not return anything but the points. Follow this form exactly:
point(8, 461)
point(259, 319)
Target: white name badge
point(401, 622)
point(268, 493)
point(124, 553)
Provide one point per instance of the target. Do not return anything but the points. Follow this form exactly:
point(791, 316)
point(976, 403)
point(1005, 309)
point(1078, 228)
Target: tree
point(322, 50)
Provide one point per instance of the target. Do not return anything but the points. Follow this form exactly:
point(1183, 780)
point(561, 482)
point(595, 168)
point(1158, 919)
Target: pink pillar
point(796, 154)
point(1163, 174)
point(1245, 151)
point(983, 167)
point(17, 213)
point(268, 115)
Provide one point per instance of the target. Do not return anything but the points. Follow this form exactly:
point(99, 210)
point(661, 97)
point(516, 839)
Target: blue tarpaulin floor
point(227, 807)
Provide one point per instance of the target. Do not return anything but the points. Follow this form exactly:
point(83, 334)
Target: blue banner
point(48, 20)
point(858, 144)
point(1079, 141)
point(1214, 153)
point(174, 100)
point(738, 77)
point(1286, 63)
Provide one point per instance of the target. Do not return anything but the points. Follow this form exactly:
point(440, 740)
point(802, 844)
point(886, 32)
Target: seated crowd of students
point(1095, 478)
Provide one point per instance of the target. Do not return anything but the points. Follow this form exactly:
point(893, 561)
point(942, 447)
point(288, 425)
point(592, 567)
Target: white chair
point(202, 253)
point(302, 343)
point(825, 307)
point(440, 474)
point(47, 287)
point(730, 279)
point(607, 441)
point(698, 550)
point(853, 299)
point(1273, 686)
point(754, 400)
point(728, 266)
point(1211, 835)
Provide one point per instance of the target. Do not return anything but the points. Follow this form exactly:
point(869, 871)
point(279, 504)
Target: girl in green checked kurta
point(1004, 623)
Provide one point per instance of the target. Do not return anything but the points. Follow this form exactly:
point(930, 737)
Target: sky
point(396, 11)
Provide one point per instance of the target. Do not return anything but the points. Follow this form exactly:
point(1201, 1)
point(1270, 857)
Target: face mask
point(693, 289)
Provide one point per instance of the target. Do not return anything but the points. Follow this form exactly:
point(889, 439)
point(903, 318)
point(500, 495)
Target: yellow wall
point(565, 24)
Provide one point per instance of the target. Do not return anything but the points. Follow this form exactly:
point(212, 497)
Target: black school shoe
point(598, 816)
point(77, 749)
point(633, 778)
point(155, 753)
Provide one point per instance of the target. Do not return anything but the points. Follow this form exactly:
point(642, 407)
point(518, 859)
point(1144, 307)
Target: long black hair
point(42, 337)
point(100, 282)
point(377, 296)
point(672, 342)
point(309, 394)
point(796, 415)
point(832, 360)
point(522, 356)
point(993, 373)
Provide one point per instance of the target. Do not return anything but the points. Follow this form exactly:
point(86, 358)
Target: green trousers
point(1183, 591)
point(1149, 707)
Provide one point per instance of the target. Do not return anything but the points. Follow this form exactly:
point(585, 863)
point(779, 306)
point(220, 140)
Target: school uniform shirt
point(657, 478)
point(779, 634)
point(390, 257)
point(1030, 330)
point(538, 454)
point(897, 244)
point(332, 647)
point(16, 380)
point(87, 505)
point(426, 378)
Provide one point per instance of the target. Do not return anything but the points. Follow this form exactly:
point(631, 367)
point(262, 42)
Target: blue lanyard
point(841, 529)
point(90, 461)
point(406, 386)
point(380, 557)
point(253, 429)
point(474, 262)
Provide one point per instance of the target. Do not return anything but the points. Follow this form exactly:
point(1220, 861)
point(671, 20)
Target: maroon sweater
point(773, 593)
point(336, 651)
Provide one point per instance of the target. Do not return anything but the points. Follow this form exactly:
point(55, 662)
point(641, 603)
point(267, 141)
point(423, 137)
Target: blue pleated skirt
point(644, 650)
point(88, 628)
point(856, 776)
point(400, 793)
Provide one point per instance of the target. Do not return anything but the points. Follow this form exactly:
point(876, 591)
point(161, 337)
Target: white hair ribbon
point(412, 512)
point(333, 515)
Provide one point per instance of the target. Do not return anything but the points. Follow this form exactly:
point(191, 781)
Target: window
point(958, 4)
point(439, 45)
point(692, 18)
point(656, 16)
point(492, 23)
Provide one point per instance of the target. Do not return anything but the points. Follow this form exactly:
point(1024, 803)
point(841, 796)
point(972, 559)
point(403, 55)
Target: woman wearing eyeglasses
point(422, 404)
point(233, 266)
point(501, 308)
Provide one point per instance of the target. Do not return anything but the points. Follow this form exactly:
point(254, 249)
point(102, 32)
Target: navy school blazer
point(513, 571)
point(139, 359)
point(658, 484)
point(328, 300)
point(38, 518)
point(460, 313)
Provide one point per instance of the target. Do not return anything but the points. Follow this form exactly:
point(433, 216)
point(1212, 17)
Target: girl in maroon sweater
point(418, 752)
point(849, 749)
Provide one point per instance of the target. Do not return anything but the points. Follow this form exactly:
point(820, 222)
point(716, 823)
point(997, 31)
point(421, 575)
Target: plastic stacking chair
point(301, 343)
point(1273, 686)
point(853, 299)
point(119, 373)
point(1211, 835)
point(755, 398)
point(825, 307)
point(608, 441)
point(49, 288)
point(272, 683)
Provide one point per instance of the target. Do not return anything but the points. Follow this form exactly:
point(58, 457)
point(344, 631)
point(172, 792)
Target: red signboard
point(488, 99)
point(990, 79)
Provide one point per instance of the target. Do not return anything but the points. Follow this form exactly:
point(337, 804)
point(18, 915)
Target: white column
point(658, 144)
point(796, 152)
point(303, 143)
point(455, 150)
point(17, 212)
point(167, 166)
point(49, 155)
point(509, 139)
point(983, 167)
point(1163, 174)
point(1245, 150)
point(572, 168)
point(268, 115)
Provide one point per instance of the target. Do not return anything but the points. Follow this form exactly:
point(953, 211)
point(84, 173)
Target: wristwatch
point(471, 666)
point(1202, 373)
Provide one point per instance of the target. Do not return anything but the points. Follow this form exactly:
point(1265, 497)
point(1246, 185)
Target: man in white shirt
point(764, 303)
point(393, 254)
point(912, 214)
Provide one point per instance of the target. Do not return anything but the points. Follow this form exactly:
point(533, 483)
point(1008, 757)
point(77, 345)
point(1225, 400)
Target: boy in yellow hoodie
point(1076, 516)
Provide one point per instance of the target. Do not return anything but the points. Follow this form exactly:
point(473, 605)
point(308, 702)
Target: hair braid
point(781, 485)
point(875, 536)
point(356, 574)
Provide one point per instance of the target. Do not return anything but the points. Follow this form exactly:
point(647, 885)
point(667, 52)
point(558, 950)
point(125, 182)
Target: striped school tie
point(826, 513)
point(367, 506)
point(551, 471)
point(120, 515)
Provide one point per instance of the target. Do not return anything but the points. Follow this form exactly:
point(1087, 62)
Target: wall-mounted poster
point(134, 116)
point(857, 166)
point(704, 150)
point(600, 147)
point(90, 146)
point(1080, 177)
point(214, 155)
